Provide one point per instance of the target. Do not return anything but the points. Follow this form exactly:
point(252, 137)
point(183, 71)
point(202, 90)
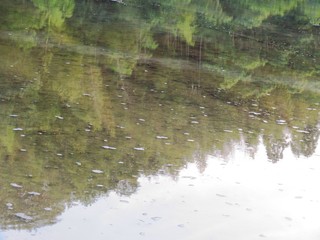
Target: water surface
point(191, 120)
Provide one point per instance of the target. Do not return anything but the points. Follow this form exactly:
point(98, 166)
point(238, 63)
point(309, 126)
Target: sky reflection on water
point(242, 198)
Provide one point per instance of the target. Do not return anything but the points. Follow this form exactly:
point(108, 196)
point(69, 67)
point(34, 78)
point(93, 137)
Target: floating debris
point(228, 131)
point(86, 94)
point(18, 129)
point(190, 140)
point(59, 117)
point(139, 148)
point(99, 186)
point(78, 163)
point(15, 185)
point(120, 162)
point(161, 137)
point(13, 115)
point(97, 171)
point(194, 122)
point(48, 209)
point(59, 154)
point(24, 217)
point(142, 120)
point(34, 193)
point(23, 150)
point(108, 147)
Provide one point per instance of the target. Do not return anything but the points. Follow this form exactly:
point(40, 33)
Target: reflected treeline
point(95, 93)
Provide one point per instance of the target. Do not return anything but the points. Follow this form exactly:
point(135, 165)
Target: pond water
point(159, 120)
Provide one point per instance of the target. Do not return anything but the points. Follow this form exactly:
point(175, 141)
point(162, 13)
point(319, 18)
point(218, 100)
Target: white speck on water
point(15, 185)
point(108, 147)
point(59, 154)
point(190, 140)
point(23, 150)
point(281, 121)
point(228, 131)
point(139, 148)
point(18, 129)
point(34, 193)
point(13, 115)
point(120, 162)
point(48, 209)
point(142, 120)
point(255, 113)
point(9, 206)
point(24, 217)
point(86, 94)
point(78, 163)
point(59, 117)
point(97, 171)
point(194, 122)
point(161, 137)
point(302, 131)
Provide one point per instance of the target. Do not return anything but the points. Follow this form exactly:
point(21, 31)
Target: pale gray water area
point(242, 198)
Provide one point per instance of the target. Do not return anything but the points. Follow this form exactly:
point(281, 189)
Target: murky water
point(149, 120)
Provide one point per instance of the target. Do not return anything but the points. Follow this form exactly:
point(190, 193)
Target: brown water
point(179, 120)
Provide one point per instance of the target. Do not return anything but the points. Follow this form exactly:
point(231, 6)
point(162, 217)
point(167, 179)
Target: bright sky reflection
point(241, 199)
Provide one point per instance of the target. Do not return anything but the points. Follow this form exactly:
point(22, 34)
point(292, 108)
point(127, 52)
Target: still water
point(159, 120)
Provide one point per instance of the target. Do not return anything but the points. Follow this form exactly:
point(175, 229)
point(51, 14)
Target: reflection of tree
point(306, 142)
point(275, 148)
point(54, 12)
point(253, 12)
point(312, 11)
